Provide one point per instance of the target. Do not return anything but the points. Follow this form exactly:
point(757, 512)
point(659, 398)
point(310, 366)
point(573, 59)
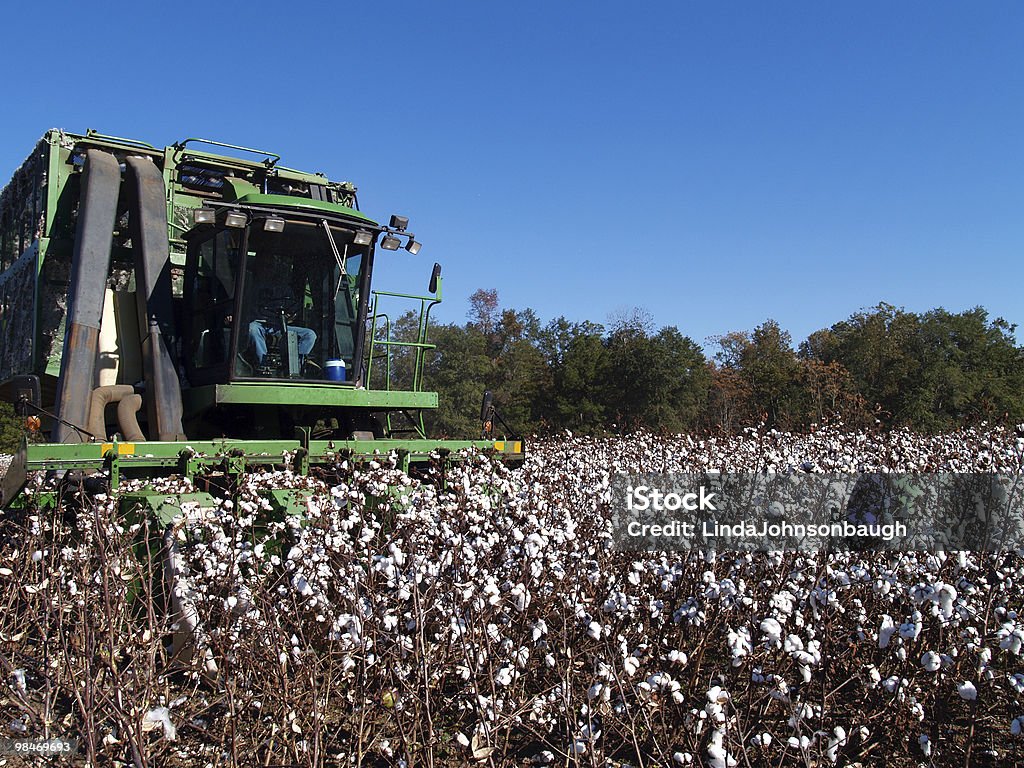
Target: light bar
point(273, 224)
point(363, 238)
point(399, 222)
point(235, 219)
point(390, 243)
point(203, 216)
point(413, 247)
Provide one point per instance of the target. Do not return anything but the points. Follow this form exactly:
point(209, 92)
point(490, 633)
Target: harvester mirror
point(434, 277)
point(488, 406)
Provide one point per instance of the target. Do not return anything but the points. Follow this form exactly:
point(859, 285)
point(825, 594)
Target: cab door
point(211, 289)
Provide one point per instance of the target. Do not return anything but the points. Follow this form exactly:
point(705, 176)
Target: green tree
point(657, 382)
point(767, 363)
point(933, 371)
point(576, 364)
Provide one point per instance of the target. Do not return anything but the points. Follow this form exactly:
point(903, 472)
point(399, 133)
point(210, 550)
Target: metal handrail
point(269, 163)
point(420, 345)
point(92, 133)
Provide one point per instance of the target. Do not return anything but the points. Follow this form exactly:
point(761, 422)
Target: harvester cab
point(277, 296)
point(188, 310)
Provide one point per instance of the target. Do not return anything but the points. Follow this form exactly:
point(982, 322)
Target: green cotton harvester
point(181, 312)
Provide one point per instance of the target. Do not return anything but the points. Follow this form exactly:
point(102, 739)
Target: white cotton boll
point(301, 585)
point(520, 597)
point(718, 757)
point(946, 596)
point(539, 629)
point(578, 748)
point(682, 758)
point(911, 630)
point(678, 657)
point(887, 630)
point(19, 680)
point(772, 630)
point(893, 683)
point(1011, 641)
point(739, 645)
point(522, 657)
point(967, 691)
point(396, 554)
point(917, 710)
point(836, 741)
point(159, 718)
point(1017, 682)
point(1017, 726)
point(594, 630)
point(926, 744)
point(793, 643)
point(931, 661)
point(717, 695)
point(631, 664)
point(504, 676)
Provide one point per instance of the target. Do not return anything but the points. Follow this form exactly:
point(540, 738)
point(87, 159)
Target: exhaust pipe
point(90, 264)
point(148, 229)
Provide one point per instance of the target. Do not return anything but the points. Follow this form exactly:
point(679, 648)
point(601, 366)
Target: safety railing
point(383, 346)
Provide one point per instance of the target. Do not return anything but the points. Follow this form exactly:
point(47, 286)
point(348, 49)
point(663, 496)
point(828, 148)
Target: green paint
point(283, 393)
point(163, 507)
point(305, 203)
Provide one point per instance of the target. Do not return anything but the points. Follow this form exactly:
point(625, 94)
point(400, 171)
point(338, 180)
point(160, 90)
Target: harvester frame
point(104, 272)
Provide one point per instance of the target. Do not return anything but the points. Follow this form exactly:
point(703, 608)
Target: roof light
point(273, 224)
point(399, 222)
point(390, 243)
point(236, 219)
point(412, 247)
point(203, 216)
point(363, 238)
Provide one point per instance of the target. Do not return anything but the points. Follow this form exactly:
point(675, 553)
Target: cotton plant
point(499, 587)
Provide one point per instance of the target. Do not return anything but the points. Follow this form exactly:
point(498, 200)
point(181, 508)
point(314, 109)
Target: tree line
point(883, 366)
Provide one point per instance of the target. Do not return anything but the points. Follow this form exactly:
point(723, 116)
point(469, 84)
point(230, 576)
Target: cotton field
point(480, 615)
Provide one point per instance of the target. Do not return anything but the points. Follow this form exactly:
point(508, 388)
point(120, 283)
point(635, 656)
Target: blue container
point(335, 370)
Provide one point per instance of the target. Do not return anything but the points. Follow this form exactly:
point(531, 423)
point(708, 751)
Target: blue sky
point(717, 163)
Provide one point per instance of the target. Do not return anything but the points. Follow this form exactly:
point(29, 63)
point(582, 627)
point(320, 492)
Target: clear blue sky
point(717, 163)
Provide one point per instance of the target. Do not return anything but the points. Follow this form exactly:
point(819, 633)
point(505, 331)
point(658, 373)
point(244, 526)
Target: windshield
point(299, 303)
